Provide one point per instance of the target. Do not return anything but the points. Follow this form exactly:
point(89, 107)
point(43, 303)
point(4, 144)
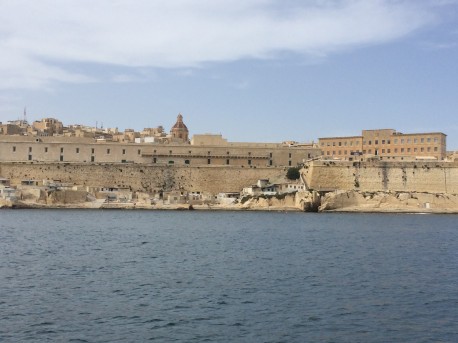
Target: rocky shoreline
point(337, 201)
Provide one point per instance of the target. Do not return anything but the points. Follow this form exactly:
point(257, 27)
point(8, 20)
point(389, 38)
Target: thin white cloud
point(39, 40)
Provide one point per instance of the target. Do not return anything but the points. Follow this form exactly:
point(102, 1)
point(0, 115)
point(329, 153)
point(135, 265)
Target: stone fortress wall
point(142, 178)
point(406, 176)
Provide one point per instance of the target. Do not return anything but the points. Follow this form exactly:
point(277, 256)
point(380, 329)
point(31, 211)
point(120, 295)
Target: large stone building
point(386, 144)
point(173, 149)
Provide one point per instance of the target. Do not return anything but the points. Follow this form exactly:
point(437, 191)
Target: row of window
point(383, 141)
point(404, 140)
point(77, 150)
point(388, 151)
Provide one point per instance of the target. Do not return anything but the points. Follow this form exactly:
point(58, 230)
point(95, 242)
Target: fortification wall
point(140, 177)
point(415, 176)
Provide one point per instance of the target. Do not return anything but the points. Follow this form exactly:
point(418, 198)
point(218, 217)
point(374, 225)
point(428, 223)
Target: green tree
point(293, 173)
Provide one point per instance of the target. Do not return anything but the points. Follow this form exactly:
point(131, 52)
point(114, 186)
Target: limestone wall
point(415, 176)
point(140, 177)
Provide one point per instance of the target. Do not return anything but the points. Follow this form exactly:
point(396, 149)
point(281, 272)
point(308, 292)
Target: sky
point(251, 70)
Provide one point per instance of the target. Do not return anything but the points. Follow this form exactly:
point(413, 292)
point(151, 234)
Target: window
point(435, 148)
point(170, 152)
point(186, 161)
point(61, 158)
point(61, 150)
point(249, 162)
point(155, 160)
point(227, 161)
point(396, 141)
point(422, 140)
point(402, 149)
point(289, 163)
point(414, 149)
point(340, 152)
point(123, 151)
point(383, 141)
point(270, 162)
point(340, 143)
point(376, 142)
point(388, 151)
point(208, 161)
point(77, 150)
point(30, 157)
point(388, 142)
point(395, 150)
point(402, 140)
point(429, 149)
point(92, 158)
point(289, 155)
point(108, 151)
point(435, 139)
point(383, 151)
point(370, 142)
point(415, 140)
point(92, 150)
point(14, 149)
point(30, 149)
point(139, 152)
point(408, 140)
point(408, 149)
point(422, 149)
point(270, 155)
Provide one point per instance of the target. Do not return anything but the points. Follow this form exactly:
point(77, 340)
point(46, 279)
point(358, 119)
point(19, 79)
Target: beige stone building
point(174, 149)
point(48, 127)
point(386, 144)
point(87, 150)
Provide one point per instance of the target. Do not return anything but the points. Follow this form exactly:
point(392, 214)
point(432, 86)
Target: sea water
point(174, 276)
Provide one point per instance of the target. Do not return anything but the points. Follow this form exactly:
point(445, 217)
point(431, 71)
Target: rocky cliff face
point(356, 201)
point(300, 201)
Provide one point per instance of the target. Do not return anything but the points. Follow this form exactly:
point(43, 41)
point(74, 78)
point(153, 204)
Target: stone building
point(386, 144)
point(89, 150)
point(48, 127)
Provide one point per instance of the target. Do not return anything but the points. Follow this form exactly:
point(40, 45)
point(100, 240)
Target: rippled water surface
point(135, 276)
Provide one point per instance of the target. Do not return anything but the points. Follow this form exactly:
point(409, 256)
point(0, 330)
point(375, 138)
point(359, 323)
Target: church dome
point(179, 130)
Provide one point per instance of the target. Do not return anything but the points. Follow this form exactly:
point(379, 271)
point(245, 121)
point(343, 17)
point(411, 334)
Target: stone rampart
point(141, 177)
point(415, 176)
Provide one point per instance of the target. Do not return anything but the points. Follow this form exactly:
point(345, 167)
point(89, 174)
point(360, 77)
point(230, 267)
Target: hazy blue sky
point(253, 70)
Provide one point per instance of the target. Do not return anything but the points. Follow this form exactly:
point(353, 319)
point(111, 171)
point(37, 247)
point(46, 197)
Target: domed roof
point(179, 124)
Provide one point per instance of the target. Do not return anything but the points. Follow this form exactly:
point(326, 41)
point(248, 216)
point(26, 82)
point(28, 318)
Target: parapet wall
point(415, 176)
point(140, 177)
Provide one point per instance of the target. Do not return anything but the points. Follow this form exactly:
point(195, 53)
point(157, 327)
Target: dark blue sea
point(138, 276)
